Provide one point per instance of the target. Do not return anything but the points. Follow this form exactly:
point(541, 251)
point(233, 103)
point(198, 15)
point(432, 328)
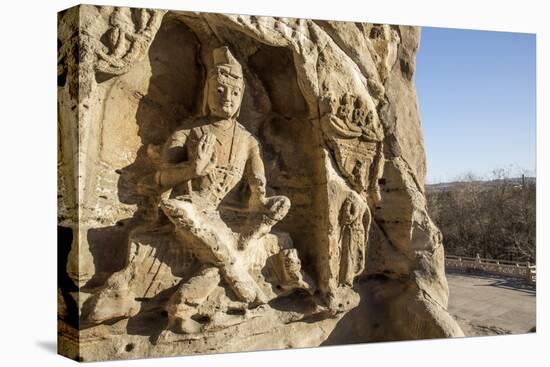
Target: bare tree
point(495, 218)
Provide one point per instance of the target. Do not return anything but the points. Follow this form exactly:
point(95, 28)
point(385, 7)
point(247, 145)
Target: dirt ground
point(491, 305)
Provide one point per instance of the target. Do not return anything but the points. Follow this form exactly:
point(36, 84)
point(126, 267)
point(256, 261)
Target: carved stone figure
point(234, 183)
point(202, 161)
point(354, 136)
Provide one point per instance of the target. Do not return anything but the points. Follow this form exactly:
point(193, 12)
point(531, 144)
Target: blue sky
point(476, 91)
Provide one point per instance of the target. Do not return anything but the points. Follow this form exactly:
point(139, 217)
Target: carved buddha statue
point(202, 162)
point(198, 166)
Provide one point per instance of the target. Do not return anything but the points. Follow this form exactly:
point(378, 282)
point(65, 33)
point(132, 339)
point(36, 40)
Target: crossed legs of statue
point(213, 242)
point(216, 246)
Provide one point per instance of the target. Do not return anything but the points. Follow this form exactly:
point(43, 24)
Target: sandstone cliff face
point(334, 107)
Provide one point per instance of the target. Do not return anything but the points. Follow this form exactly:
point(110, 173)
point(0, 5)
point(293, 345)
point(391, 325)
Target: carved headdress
point(225, 65)
point(227, 70)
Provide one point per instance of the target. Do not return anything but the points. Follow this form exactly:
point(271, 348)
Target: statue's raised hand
point(205, 159)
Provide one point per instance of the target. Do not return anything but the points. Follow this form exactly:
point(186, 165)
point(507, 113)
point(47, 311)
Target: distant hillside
point(451, 186)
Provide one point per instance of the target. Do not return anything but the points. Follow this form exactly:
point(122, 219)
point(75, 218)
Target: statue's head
point(225, 85)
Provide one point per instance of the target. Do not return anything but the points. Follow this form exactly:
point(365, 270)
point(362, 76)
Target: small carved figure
point(351, 130)
point(127, 40)
point(352, 238)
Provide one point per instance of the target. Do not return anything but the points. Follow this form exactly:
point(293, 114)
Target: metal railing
point(519, 269)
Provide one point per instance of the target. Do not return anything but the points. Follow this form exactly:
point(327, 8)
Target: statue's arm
point(174, 166)
point(255, 174)
point(179, 165)
point(173, 174)
point(273, 209)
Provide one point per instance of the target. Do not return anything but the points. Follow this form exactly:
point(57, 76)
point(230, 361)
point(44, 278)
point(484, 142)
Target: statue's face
point(224, 99)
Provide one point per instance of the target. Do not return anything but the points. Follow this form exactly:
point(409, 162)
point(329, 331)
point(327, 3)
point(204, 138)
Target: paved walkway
point(488, 304)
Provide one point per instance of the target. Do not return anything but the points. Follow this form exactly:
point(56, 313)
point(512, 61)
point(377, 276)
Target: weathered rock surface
point(330, 108)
